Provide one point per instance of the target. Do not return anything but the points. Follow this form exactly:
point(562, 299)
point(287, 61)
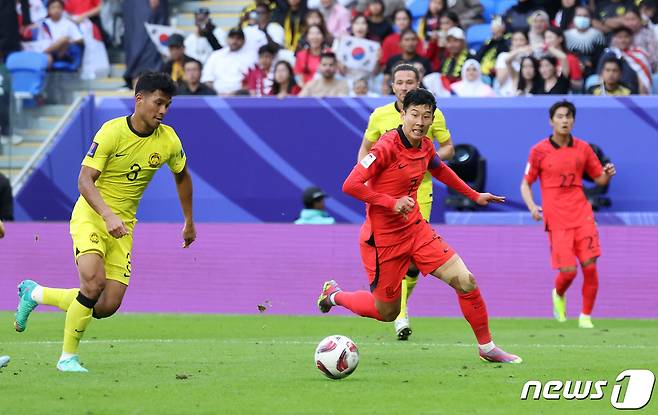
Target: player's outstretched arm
point(528, 198)
point(365, 147)
point(447, 150)
point(88, 190)
point(184, 188)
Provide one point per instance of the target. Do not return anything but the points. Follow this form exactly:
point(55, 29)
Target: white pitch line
point(309, 342)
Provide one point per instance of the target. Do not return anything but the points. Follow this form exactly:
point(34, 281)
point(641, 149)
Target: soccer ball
point(337, 356)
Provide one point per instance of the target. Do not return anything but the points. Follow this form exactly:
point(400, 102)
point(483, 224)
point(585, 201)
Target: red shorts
point(569, 244)
point(386, 266)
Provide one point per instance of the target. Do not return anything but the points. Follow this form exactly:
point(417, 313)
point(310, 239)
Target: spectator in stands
point(516, 17)
point(6, 136)
point(314, 212)
point(539, 22)
point(554, 82)
point(391, 45)
point(290, 15)
point(272, 30)
point(307, 60)
point(244, 14)
point(313, 18)
point(226, 67)
point(564, 16)
point(388, 7)
point(528, 81)
point(62, 33)
point(336, 16)
point(258, 80)
point(9, 31)
point(360, 88)
point(326, 85)
point(469, 11)
point(636, 67)
point(191, 83)
point(436, 51)
point(177, 57)
point(358, 29)
point(36, 12)
point(554, 38)
point(284, 83)
point(409, 47)
point(610, 14)
point(471, 84)
point(207, 37)
point(6, 199)
point(507, 77)
point(610, 77)
point(378, 25)
point(642, 37)
point(584, 41)
point(492, 48)
point(456, 54)
point(428, 26)
point(648, 12)
point(141, 53)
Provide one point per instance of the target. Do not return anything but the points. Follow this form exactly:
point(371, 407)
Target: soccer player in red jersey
point(394, 233)
point(559, 162)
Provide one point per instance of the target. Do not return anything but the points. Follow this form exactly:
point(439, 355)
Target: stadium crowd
point(349, 48)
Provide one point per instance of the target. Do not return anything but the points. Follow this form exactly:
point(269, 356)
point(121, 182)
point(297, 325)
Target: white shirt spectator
point(64, 28)
point(198, 47)
point(226, 69)
point(38, 10)
point(254, 38)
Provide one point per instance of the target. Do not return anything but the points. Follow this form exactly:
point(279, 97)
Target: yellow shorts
point(90, 235)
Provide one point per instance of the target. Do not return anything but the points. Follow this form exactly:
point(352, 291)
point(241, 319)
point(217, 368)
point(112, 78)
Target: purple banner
point(236, 268)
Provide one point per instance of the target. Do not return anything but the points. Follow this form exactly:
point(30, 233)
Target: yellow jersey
point(386, 118)
point(128, 161)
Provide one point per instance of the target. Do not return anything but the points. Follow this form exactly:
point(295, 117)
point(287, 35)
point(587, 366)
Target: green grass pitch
point(263, 364)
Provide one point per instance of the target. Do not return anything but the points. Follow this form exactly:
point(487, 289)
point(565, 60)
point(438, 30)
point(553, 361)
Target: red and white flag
point(159, 35)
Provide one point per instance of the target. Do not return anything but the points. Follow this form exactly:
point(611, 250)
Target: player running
point(384, 119)
point(559, 162)
point(394, 233)
point(125, 154)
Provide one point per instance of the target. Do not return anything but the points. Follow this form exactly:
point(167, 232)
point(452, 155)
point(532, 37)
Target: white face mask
point(581, 22)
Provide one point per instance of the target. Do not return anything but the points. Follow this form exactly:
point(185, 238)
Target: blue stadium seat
point(489, 9)
point(477, 34)
point(28, 72)
point(591, 81)
point(504, 5)
point(418, 8)
point(73, 63)
point(654, 88)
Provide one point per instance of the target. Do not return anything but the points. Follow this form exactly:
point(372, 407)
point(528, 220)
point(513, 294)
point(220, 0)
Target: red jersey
point(395, 168)
point(560, 171)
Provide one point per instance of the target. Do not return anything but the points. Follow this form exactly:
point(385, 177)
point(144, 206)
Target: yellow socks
point(408, 285)
point(59, 297)
point(77, 319)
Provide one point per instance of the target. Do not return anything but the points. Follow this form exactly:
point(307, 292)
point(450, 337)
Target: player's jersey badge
point(154, 160)
point(93, 237)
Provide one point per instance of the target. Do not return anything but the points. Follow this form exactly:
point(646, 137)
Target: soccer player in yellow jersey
point(125, 154)
point(386, 118)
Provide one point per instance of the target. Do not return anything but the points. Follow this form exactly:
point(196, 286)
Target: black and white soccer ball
point(337, 356)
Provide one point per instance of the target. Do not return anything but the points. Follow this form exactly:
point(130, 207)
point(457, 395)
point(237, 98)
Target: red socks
point(563, 281)
point(475, 312)
point(359, 302)
point(590, 287)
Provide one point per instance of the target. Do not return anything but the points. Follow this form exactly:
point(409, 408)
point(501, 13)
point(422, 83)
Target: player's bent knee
point(589, 262)
point(464, 283)
point(569, 270)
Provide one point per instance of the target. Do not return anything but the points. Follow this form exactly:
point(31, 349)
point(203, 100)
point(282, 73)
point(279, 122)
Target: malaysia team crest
point(93, 237)
point(154, 160)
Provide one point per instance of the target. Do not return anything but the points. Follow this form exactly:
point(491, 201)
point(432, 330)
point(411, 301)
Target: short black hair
point(195, 62)
point(612, 59)
point(267, 48)
point(405, 67)
point(563, 104)
point(635, 10)
point(61, 2)
point(404, 10)
point(155, 81)
point(419, 96)
point(328, 54)
point(407, 31)
point(624, 29)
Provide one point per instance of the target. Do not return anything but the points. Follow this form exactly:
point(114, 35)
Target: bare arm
point(366, 145)
point(184, 189)
point(526, 193)
point(88, 190)
point(447, 150)
point(564, 61)
point(609, 170)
